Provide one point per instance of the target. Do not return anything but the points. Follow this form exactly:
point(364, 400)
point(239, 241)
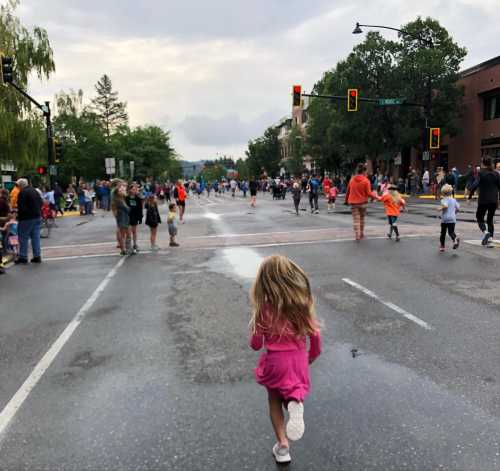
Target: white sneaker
point(281, 454)
point(295, 425)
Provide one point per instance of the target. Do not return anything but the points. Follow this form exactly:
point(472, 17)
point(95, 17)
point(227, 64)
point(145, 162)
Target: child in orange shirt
point(393, 202)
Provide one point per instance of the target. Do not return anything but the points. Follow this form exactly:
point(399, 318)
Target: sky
point(218, 73)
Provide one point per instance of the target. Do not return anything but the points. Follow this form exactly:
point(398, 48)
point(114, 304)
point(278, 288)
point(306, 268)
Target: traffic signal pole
point(45, 109)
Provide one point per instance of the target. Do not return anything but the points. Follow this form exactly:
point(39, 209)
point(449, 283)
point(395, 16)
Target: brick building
point(480, 124)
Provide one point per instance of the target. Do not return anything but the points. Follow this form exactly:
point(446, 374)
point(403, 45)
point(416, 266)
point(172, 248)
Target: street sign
point(426, 155)
point(390, 101)
point(110, 164)
point(53, 170)
point(398, 160)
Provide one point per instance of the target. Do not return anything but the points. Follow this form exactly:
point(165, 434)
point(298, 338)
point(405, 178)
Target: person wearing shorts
point(180, 198)
point(134, 202)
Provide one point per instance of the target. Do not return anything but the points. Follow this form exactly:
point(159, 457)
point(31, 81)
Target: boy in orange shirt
point(393, 202)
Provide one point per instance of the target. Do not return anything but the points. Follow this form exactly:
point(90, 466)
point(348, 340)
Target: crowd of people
point(25, 206)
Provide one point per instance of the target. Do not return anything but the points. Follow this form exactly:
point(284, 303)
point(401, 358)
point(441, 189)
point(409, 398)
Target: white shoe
point(281, 454)
point(295, 425)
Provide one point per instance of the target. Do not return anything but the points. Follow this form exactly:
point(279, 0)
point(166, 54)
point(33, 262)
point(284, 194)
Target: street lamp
point(428, 42)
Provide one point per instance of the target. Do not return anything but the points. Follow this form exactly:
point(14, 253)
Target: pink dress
point(284, 367)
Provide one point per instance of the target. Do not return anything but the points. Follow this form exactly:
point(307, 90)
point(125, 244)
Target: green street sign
point(390, 101)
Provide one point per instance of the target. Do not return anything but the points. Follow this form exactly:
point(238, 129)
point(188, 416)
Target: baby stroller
point(276, 192)
point(70, 202)
point(9, 241)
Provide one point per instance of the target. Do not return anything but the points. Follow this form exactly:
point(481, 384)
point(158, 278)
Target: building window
point(492, 107)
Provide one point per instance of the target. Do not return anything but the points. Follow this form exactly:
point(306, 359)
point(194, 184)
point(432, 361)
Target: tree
point(22, 137)
point(84, 142)
point(111, 112)
point(149, 148)
point(391, 69)
point(264, 153)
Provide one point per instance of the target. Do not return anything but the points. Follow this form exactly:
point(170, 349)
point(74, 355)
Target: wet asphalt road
point(158, 375)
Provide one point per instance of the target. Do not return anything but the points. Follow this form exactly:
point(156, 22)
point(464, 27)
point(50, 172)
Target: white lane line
point(23, 392)
point(390, 305)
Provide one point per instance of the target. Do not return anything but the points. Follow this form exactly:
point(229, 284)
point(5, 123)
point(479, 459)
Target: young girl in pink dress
point(283, 317)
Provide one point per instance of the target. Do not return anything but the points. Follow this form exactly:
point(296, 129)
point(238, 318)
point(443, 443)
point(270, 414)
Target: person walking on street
point(296, 194)
point(180, 199)
point(488, 184)
point(393, 203)
point(358, 193)
point(449, 208)
point(283, 318)
point(254, 186)
point(313, 188)
point(153, 219)
point(29, 213)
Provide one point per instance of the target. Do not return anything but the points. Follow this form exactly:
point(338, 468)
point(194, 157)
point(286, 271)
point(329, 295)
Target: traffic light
point(352, 99)
point(58, 150)
point(297, 95)
point(7, 72)
point(434, 138)
point(41, 170)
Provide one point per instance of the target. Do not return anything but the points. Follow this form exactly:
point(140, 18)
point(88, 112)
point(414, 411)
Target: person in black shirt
point(29, 212)
point(488, 184)
point(134, 202)
point(253, 186)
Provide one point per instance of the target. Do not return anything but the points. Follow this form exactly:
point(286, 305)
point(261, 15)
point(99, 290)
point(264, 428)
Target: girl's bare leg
point(154, 230)
point(278, 418)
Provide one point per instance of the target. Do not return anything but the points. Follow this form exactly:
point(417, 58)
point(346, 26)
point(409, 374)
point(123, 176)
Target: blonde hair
point(396, 196)
point(447, 190)
point(282, 287)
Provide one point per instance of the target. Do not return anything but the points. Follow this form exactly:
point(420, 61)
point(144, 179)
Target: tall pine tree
point(111, 112)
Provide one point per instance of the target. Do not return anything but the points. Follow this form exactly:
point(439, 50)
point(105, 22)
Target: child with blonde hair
point(449, 208)
point(393, 203)
point(283, 317)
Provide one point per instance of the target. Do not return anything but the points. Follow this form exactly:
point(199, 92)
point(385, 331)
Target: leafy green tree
point(111, 112)
point(84, 142)
point(213, 172)
point(242, 169)
point(408, 69)
point(21, 128)
point(149, 147)
point(264, 153)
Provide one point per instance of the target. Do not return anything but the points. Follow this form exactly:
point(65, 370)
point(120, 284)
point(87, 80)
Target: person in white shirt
point(425, 181)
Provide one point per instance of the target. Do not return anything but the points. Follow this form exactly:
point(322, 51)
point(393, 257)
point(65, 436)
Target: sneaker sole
point(295, 425)
point(282, 459)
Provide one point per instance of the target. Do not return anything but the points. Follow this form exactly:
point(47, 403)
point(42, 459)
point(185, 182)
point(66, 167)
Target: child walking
point(332, 196)
point(283, 317)
point(152, 219)
point(172, 225)
point(121, 212)
point(393, 203)
point(449, 208)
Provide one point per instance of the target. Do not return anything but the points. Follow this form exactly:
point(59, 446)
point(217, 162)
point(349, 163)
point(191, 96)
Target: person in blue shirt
point(313, 188)
point(449, 208)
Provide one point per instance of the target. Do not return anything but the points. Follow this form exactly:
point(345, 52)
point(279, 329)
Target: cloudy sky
point(217, 73)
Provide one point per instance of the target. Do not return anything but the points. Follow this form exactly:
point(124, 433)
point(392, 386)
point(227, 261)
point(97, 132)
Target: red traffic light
point(297, 95)
point(435, 137)
point(41, 170)
point(352, 99)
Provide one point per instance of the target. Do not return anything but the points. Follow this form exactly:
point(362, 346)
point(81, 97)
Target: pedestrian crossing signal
point(297, 95)
point(434, 138)
point(7, 70)
point(41, 170)
point(352, 99)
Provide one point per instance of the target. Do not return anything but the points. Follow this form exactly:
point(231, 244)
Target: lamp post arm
point(402, 31)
